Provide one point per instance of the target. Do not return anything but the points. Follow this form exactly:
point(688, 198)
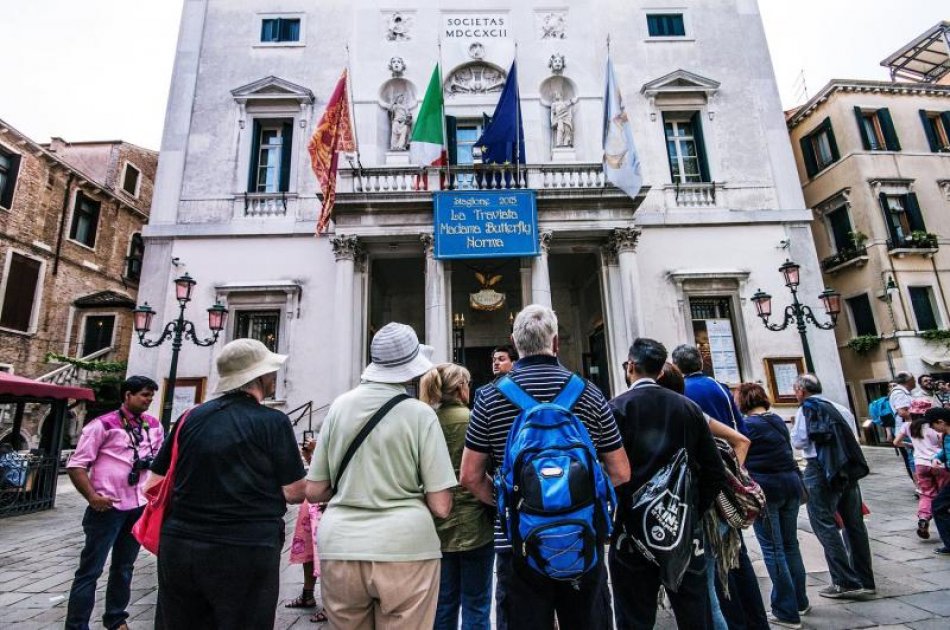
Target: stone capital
point(428, 243)
point(346, 247)
point(624, 239)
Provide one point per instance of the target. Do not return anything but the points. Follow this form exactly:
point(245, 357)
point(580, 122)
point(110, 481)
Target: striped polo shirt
point(543, 377)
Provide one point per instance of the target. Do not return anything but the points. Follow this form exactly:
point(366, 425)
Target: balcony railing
point(919, 242)
point(403, 179)
point(266, 204)
point(844, 257)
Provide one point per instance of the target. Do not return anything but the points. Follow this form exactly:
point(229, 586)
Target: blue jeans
point(105, 531)
point(466, 583)
point(743, 609)
point(777, 532)
point(849, 565)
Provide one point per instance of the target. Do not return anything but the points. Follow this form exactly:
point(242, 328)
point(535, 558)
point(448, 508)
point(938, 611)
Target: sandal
point(319, 617)
point(304, 600)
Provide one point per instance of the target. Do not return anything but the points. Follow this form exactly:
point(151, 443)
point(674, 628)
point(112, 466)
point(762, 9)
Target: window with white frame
point(280, 29)
point(925, 308)
point(685, 147)
point(98, 333)
point(262, 325)
point(21, 288)
point(666, 25)
point(85, 220)
point(130, 180)
point(271, 151)
point(9, 168)
point(819, 148)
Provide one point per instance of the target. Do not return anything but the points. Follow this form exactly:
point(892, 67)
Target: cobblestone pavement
point(39, 553)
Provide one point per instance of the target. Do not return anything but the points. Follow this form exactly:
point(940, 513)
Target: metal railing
point(27, 483)
point(843, 256)
point(914, 241)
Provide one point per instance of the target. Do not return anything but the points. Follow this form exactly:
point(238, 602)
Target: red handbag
point(148, 529)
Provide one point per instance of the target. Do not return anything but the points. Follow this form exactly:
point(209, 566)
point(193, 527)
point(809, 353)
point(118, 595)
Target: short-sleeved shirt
point(542, 377)
point(470, 525)
point(899, 398)
point(107, 449)
point(379, 511)
point(234, 457)
point(926, 447)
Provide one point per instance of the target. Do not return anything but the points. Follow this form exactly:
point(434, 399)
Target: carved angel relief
point(486, 298)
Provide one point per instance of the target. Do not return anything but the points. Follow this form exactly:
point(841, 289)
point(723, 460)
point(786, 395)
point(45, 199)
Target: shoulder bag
point(365, 431)
point(148, 529)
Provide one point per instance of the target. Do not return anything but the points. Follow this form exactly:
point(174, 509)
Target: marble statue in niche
point(562, 120)
point(400, 119)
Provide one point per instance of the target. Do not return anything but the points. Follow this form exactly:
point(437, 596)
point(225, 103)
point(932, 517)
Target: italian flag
point(426, 147)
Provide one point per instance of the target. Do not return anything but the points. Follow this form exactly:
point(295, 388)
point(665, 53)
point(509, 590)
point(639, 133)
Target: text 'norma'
point(485, 224)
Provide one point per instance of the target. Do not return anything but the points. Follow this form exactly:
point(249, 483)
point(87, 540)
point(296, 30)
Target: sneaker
point(942, 551)
point(804, 611)
point(867, 593)
point(839, 592)
point(923, 528)
point(775, 621)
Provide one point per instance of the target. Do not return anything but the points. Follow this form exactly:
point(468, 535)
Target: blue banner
point(485, 224)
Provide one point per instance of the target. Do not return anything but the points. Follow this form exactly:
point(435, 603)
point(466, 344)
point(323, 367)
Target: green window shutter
point(6, 195)
point(882, 199)
point(451, 132)
point(945, 119)
point(286, 153)
point(808, 156)
point(255, 156)
point(700, 141)
point(915, 217)
point(865, 141)
point(932, 139)
point(835, 156)
point(923, 308)
point(887, 127)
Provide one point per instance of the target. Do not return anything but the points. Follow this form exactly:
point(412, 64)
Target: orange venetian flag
point(334, 133)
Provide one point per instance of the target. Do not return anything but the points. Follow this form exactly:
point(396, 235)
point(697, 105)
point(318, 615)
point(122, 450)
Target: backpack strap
point(571, 392)
point(513, 392)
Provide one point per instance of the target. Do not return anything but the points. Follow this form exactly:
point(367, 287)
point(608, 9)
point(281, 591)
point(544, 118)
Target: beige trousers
point(363, 595)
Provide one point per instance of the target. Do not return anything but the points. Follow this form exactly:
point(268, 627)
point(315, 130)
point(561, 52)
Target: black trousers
point(636, 585)
point(208, 585)
point(533, 601)
point(743, 609)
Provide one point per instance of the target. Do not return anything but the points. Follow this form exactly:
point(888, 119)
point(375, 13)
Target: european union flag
point(502, 142)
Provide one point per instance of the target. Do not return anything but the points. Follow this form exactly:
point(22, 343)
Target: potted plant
point(858, 238)
point(863, 344)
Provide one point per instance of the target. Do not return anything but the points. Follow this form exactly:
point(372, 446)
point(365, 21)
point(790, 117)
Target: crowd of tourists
point(411, 505)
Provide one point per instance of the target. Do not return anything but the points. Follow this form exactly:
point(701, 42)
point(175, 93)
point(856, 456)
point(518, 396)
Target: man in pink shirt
point(109, 468)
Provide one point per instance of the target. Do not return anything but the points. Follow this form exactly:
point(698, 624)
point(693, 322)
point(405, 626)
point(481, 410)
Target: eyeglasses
point(625, 365)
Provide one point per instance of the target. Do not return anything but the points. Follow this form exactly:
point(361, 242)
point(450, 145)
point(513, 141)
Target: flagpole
point(352, 105)
point(445, 132)
point(517, 121)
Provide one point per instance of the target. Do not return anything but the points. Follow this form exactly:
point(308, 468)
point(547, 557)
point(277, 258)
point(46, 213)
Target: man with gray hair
point(900, 399)
point(528, 601)
point(826, 433)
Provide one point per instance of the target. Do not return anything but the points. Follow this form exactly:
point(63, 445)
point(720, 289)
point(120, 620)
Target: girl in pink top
point(931, 475)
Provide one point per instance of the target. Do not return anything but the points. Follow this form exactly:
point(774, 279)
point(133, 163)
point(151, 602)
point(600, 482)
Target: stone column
point(616, 327)
point(438, 304)
point(540, 277)
point(346, 248)
point(624, 242)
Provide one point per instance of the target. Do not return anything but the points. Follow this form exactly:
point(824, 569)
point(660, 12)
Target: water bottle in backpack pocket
point(554, 500)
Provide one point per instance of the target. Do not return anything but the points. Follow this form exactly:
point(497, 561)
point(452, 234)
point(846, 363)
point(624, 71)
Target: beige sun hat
point(397, 356)
point(243, 360)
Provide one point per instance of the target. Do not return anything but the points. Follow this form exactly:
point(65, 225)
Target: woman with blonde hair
point(466, 534)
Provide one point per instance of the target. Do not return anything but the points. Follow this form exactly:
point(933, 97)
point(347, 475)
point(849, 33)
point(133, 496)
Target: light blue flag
point(621, 162)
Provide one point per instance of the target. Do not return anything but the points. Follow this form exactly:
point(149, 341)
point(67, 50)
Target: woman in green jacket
point(466, 534)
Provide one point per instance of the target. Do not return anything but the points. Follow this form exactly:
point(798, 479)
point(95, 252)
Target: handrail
point(50, 376)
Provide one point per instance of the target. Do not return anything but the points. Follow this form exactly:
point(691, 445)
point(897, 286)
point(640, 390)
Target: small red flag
point(334, 133)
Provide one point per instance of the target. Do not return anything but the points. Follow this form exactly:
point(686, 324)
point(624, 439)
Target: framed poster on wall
point(781, 373)
point(188, 393)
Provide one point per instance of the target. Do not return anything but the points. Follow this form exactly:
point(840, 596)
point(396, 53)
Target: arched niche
point(554, 84)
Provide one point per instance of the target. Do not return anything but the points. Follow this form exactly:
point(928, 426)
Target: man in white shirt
point(850, 565)
point(900, 399)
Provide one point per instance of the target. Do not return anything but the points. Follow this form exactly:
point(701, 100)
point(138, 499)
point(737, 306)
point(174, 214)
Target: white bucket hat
point(397, 355)
point(243, 360)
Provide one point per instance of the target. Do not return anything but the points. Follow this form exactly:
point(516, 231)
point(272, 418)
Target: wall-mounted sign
point(485, 224)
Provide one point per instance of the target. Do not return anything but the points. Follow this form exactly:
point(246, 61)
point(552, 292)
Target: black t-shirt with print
point(234, 456)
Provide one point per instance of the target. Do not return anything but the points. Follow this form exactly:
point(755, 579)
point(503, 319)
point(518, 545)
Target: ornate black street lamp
point(796, 311)
point(176, 330)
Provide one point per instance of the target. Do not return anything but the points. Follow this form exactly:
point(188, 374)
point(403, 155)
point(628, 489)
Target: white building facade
point(721, 208)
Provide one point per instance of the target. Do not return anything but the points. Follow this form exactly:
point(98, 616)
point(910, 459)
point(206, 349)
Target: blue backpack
point(555, 502)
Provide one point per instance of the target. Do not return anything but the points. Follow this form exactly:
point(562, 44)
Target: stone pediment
point(680, 82)
point(272, 89)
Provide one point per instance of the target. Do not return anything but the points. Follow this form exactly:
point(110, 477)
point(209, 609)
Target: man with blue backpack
point(544, 431)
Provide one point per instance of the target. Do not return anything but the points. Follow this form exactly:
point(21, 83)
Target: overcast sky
point(100, 69)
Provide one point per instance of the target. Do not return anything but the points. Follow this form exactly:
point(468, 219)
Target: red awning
point(12, 385)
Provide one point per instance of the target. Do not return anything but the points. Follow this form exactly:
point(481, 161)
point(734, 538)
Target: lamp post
point(797, 312)
point(177, 330)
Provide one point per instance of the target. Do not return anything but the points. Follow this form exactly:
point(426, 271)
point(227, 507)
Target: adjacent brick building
point(71, 216)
